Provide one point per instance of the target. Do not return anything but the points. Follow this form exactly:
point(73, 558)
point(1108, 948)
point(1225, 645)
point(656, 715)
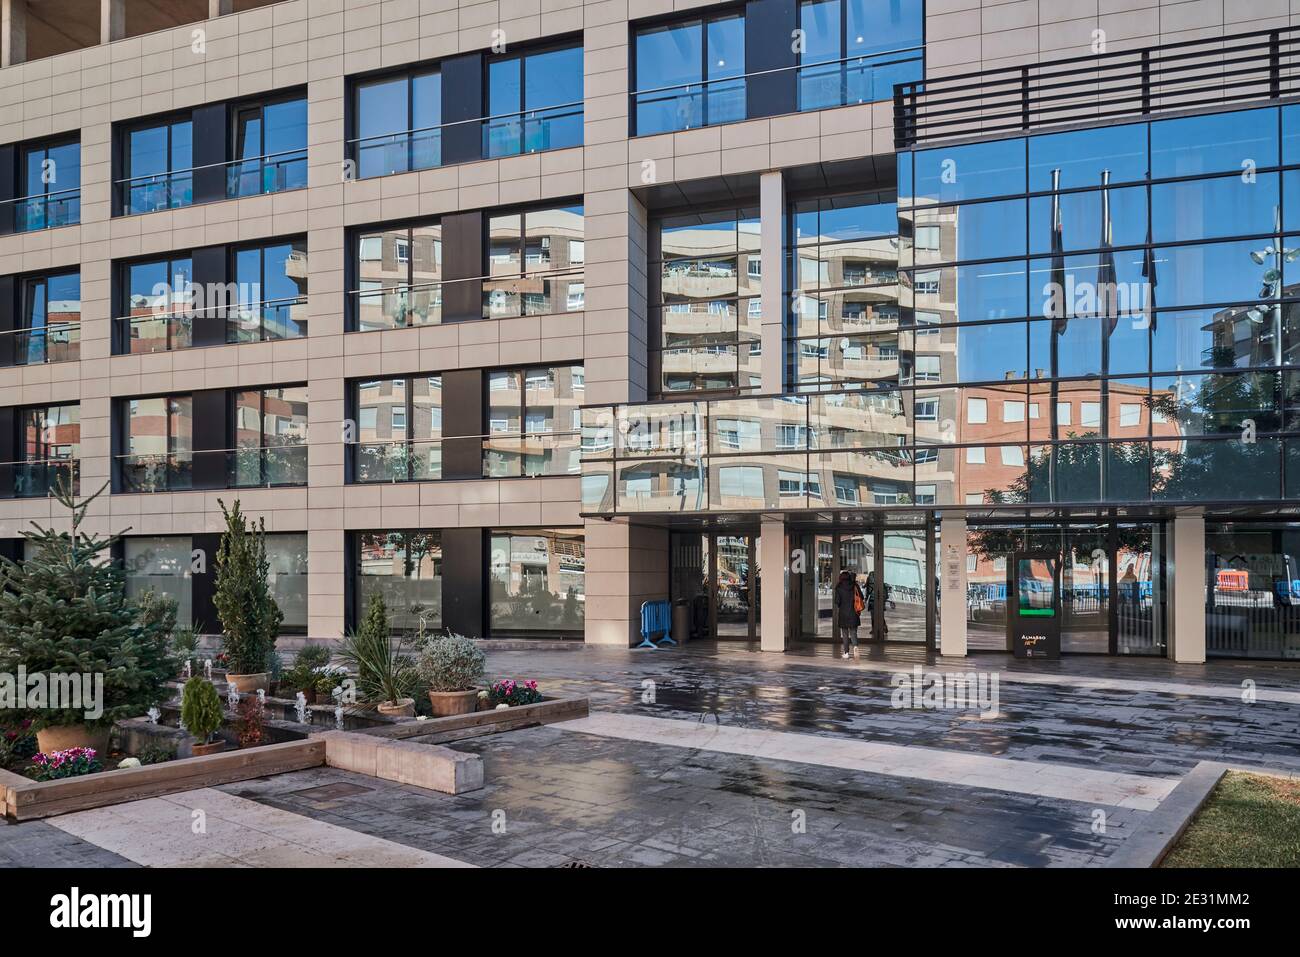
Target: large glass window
point(158, 440)
point(1252, 589)
point(535, 262)
point(537, 583)
point(399, 124)
point(164, 565)
point(534, 421)
point(854, 51)
point(845, 304)
point(50, 330)
point(49, 449)
point(535, 102)
point(270, 148)
point(156, 313)
point(271, 280)
point(286, 554)
point(690, 74)
point(706, 279)
point(399, 430)
point(269, 446)
point(405, 567)
point(49, 187)
point(399, 276)
point(159, 167)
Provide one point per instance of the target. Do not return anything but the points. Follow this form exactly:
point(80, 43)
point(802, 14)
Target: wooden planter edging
point(9, 781)
point(31, 800)
point(437, 730)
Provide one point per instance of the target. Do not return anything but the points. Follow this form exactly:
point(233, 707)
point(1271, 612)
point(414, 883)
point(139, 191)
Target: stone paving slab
point(39, 844)
point(565, 797)
point(1111, 728)
point(161, 832)
point(927, 764)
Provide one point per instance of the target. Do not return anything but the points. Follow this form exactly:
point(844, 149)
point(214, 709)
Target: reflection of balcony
point(54, 342)
point(503, 456)
point(167, 331)
point(40, 479)
point(46, 211)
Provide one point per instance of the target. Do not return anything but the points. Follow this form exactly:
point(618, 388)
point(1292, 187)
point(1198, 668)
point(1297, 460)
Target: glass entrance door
point(893, 569)
point(735, 580)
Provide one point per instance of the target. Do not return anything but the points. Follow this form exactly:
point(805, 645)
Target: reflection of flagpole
point(1060, 320)
point(1108, 309)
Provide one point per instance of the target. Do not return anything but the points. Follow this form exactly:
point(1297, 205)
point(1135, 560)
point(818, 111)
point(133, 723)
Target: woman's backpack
point(859, 603)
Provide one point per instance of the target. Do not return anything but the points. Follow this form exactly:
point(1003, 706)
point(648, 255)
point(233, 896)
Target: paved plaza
point(718, 755)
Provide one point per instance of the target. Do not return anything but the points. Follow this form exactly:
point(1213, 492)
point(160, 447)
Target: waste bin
point(681, 621)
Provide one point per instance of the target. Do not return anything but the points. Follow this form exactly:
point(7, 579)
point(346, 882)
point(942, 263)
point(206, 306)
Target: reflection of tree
point(1224, 405)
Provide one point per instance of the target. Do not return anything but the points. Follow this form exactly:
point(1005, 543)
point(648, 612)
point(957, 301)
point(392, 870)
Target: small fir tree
point(250, 618)
point(64, 610)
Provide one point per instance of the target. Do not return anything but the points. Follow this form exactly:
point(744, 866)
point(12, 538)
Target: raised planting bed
point(30, 800)
point(460, 726)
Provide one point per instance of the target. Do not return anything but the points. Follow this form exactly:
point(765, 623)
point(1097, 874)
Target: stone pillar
point(13, 32)
point(1187, 601)
point(772, 239)
point(112, 20)
point(626, 565)
point(952, 586)
point(773, 565)
point(220, 8)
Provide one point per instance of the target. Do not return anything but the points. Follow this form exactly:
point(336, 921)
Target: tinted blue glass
point(1217, 470)
point(726, 38)
point(989, 291)
point(148, 151)
point(1209, 273)
point(820, 21)
point(905, 179)
point(382, 107)
point(1077, 347)
point(553, 78)
point(667, 58)
point(182, 146)
point(1081, 219)
point(34, 173)
point(1216, 143)
point(877, 25)
point(844, 219)
point(1083, 154)
point(1086, 282)
point(986, 230)
point(66, 167)
point(1214, 208)
point(990, 353)
point(285, 126)
point(276, 282)
point(978, 171)
point(504, 94)
point(1291, 135)
point(1205, 338)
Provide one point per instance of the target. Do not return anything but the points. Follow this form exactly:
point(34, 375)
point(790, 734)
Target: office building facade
point(523, 313)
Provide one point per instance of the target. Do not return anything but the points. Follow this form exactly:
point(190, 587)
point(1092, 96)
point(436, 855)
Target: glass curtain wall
point(706, 311)
point(1252, 590)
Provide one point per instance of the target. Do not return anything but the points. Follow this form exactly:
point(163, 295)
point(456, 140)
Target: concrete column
point(112, 20)
point(626, 565)
point(1187, 601)
point(952, 586)
point(773, 567)
point(13, 32)
point(772, 238)
point(220, 8)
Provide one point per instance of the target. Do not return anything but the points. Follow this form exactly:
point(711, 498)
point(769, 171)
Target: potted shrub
point(250, 618)
point(303, 675)
point(65, 609)
point(451, 666)
point(385, 672)
point(514, 693)
point(201, 715)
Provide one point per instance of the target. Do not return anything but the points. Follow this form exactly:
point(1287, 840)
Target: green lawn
point(1248, 821)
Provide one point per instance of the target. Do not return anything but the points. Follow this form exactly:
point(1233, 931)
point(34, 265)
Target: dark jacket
point(845, 613)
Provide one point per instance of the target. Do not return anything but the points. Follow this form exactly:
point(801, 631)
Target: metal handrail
point(798, 66)
point(211, 311)
point(477, 119)
point(41, 196)
point(206, 166)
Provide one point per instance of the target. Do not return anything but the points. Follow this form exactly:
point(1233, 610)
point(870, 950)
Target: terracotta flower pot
point(216, 747)
point(63, 737)
point(403, 708)
point(245, 684)
point(447, 703)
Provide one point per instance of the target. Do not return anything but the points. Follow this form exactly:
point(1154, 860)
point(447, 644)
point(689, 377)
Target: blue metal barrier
point(656, 616)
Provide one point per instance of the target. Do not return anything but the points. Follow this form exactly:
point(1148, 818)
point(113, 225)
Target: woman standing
point(849, 605)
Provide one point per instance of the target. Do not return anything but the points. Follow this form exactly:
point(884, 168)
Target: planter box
point(406, 762)
point(456, 727)
point(31, 800)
